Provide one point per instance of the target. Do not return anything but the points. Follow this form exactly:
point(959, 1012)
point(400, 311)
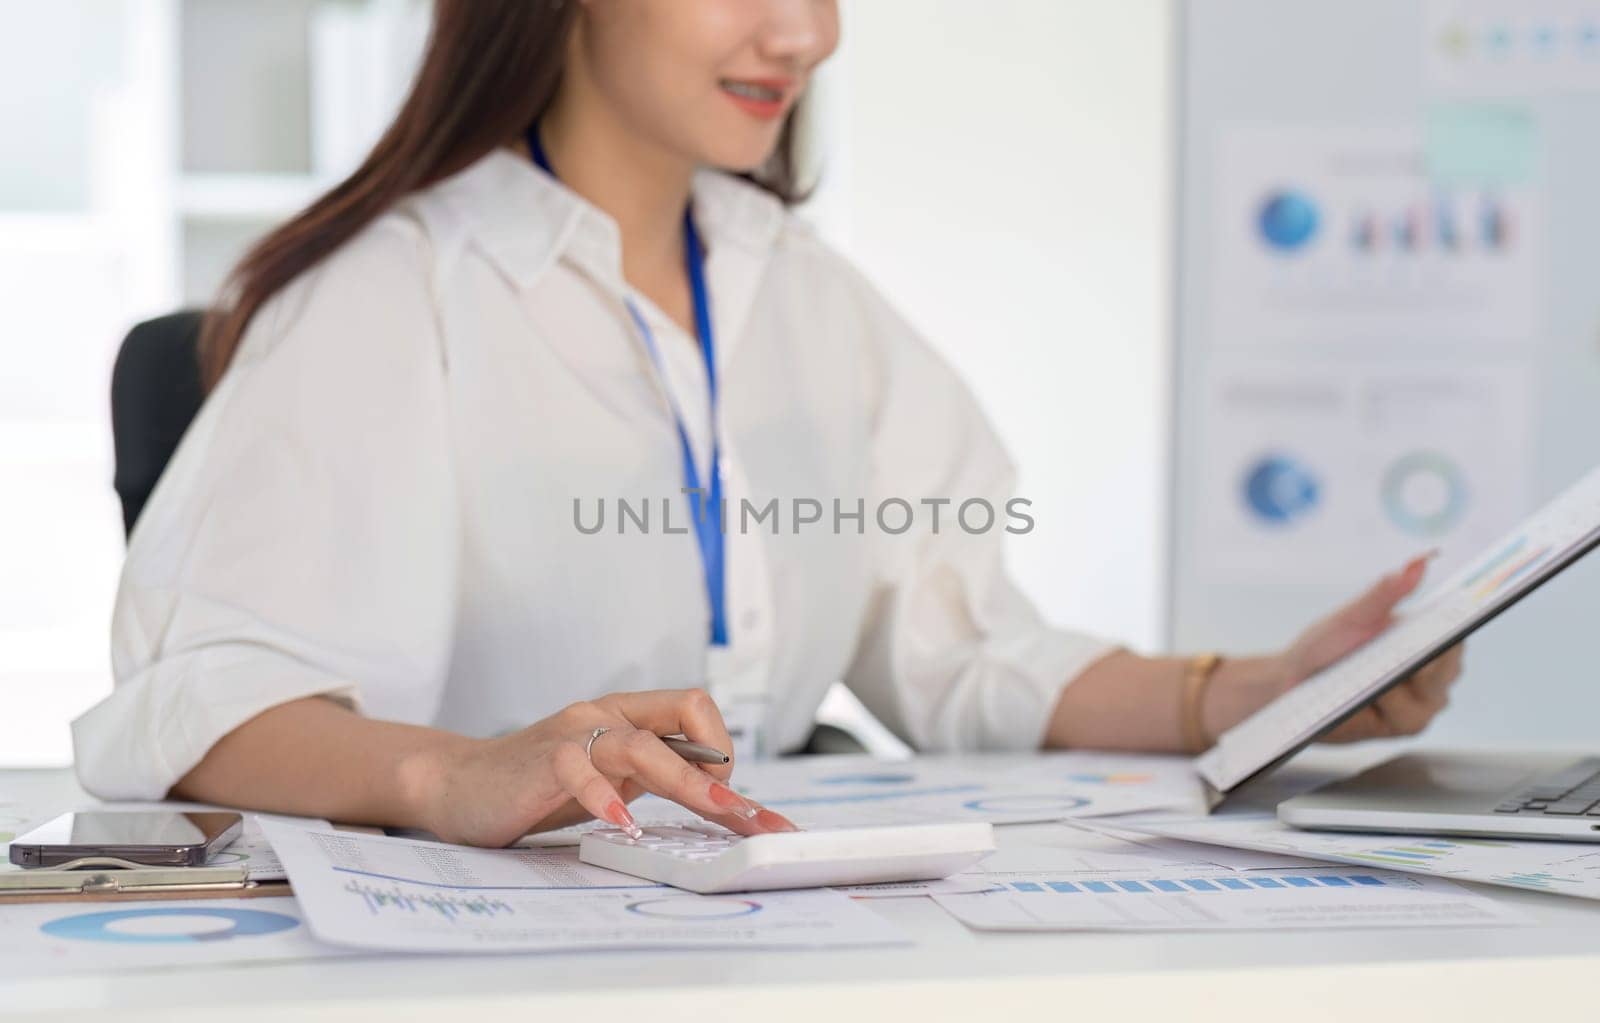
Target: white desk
point(951, 973)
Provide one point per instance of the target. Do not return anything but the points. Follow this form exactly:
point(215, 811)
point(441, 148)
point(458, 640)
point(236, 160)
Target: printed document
point(1165, 900)
point(1089, 849)
point(858, 791)
point(1000, 789)
point(1565, 868)
point(371, 891)
point(47, 938)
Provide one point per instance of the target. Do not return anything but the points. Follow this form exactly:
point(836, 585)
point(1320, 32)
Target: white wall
point(1002, 172)
point(81, 100)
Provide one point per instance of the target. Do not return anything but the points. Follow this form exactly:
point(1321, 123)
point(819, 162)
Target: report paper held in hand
point(370, 891)
point(1551, 539)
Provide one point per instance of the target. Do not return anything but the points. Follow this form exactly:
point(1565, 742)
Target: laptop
point(1533, 795)
point(1488, 795)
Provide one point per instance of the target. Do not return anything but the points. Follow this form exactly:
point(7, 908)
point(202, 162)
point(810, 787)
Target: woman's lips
point(766, 98)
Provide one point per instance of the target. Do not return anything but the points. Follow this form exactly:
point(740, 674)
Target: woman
point(549, 297)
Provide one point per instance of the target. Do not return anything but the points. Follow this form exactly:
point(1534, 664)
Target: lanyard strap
point(705, 502)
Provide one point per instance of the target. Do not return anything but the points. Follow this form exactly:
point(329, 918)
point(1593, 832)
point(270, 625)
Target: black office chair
point(155, 395)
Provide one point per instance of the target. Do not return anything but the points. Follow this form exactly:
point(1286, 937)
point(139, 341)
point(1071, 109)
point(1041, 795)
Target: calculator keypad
point(692, 842)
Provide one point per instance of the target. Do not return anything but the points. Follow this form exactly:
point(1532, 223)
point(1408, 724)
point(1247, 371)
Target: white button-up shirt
point(381, 501)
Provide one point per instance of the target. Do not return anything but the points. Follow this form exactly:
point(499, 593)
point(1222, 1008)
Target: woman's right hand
point(490, 792)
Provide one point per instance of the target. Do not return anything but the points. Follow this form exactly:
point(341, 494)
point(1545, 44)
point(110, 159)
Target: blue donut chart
point(1444, 473)
point(96, 926)
point(1042, 803)
point(880, 778)
point(695, 907)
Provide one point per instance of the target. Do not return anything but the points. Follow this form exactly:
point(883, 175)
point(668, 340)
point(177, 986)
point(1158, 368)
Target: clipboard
point(106, 878)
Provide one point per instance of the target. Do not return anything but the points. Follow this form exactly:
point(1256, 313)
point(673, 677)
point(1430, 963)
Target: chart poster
point(1330, 235)
point(1335, 472)
point(1511, 47)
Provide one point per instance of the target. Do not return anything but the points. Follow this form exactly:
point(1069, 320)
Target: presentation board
point(1388, 322)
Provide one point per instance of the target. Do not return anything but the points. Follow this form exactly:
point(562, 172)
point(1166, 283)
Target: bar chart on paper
point(1561, 867)
point(1239, 901)
point(1132, 885)
point(1410, 852)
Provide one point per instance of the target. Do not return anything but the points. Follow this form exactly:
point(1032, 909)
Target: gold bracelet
point(1197, 675)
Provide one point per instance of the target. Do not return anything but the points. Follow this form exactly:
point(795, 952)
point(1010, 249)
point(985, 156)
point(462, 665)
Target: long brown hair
point(490, 70)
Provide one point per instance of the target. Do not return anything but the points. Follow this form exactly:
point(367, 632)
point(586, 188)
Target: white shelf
point(248, 197)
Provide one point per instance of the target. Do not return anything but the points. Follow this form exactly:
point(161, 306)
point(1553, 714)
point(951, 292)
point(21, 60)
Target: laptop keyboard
point(1571, 792)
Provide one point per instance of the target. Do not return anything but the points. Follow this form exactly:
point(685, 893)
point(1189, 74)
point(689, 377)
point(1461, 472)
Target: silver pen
point(694, 752)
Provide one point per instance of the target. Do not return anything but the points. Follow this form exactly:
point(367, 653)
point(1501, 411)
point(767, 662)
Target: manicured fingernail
point(618, 814)
point(773, 821)
point(731, 801)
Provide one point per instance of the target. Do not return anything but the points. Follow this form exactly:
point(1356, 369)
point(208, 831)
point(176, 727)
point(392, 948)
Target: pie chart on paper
point(168, 925)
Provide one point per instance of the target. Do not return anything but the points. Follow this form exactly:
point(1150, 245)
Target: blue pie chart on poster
point(169, 924)
point(1278, 490)
point(1288, 220)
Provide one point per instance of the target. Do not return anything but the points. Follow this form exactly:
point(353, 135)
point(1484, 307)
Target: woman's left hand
point(1408, 707)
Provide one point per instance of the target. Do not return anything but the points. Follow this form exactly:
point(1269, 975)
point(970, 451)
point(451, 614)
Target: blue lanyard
point(705, 502)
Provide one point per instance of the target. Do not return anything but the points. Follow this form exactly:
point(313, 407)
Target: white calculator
point(707, 858)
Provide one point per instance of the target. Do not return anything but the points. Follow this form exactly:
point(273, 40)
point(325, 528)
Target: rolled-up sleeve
point(304, 539)
point(952, 655)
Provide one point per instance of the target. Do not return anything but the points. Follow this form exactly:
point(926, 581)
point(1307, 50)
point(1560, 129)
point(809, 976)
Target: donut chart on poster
point(1424, 493)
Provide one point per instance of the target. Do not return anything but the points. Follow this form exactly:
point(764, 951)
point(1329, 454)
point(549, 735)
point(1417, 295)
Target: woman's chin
point(739, 157)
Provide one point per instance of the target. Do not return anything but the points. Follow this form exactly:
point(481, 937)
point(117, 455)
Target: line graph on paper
point(383, 900)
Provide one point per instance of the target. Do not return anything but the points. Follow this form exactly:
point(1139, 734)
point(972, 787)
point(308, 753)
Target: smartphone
point(156, 839)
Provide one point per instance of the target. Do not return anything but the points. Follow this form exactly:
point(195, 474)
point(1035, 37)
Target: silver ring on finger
point(588, 747)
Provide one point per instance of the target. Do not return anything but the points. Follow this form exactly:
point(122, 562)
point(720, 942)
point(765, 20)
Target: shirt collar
point(524, 221)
